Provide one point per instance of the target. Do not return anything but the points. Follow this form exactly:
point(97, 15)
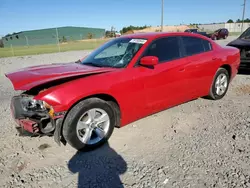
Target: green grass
point(43, 49)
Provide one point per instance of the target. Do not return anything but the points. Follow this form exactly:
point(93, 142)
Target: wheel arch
point(106, 97)
point(228, 68)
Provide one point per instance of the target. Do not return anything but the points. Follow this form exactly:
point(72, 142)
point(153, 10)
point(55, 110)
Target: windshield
point(115, 53)
point(245, 34)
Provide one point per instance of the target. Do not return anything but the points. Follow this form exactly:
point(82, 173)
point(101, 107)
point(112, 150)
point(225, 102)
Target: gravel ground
point(201, 143)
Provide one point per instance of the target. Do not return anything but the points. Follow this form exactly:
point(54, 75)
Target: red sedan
point(125, 79)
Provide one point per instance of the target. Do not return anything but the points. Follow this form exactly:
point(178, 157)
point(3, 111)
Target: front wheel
point(89, 124)
point(220, 84)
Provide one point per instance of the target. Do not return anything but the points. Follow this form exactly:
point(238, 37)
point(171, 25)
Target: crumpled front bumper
point(40, 123)
point(28, 120)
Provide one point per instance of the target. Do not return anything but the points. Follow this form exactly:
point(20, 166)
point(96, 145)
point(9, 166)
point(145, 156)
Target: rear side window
point(207, 45)
point(165, 49)
point(194, 45)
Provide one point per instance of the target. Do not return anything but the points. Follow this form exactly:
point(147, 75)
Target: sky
point(21, 15)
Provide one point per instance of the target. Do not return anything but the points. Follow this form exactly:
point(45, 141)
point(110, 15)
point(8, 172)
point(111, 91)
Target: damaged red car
point(125, 79)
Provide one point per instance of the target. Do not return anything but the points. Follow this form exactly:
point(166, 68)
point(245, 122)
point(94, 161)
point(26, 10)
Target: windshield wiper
point(78, 61)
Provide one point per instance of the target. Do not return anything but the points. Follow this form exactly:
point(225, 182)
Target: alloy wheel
point(93, 126)
point(221, 84)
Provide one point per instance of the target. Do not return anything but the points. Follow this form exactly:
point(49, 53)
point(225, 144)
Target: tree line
point(247, 20)
point(131, 27)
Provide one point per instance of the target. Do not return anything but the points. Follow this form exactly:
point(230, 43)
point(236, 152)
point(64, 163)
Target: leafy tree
point(109, 34)
point(131, 27)
point(247, 20)
point(230, 21)
point(194, 25)
point(90, 36)
point(64, 39)
point(238, 21)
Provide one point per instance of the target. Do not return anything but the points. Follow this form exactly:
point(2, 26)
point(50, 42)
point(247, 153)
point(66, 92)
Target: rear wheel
point(220, 84)
point(89, 124)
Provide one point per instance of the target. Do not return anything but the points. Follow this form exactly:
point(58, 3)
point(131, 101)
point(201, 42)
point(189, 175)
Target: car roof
point(153, 35)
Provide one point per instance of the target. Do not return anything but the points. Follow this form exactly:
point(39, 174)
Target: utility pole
point(112, 32)
point(243, 15)
point(162, 11)
point(58, 42)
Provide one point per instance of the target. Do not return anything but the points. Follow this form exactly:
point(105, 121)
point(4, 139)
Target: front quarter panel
point(63, 96)
point(119, 84)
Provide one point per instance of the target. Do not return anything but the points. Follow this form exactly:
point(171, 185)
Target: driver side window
point(166, 49)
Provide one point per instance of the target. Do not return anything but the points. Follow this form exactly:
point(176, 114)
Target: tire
point(215, 38)
point(71, 131)
point(214, 94)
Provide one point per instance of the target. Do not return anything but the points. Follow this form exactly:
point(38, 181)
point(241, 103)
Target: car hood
point(30, 77)
point(240, 43)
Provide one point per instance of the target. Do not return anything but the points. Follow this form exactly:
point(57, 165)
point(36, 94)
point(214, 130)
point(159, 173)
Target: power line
point(243, 15)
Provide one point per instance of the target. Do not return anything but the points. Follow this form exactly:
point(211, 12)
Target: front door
point(165, 85)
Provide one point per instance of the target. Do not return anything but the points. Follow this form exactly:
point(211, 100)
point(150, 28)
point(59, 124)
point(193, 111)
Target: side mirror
point(149, 61)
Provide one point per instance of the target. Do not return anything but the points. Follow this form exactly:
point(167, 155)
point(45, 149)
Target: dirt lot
point(201, 143)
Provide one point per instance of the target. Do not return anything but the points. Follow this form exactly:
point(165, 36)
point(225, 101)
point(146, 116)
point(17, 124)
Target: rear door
point(201, 62)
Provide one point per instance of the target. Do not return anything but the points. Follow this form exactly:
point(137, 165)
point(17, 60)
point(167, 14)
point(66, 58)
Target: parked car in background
point(219, 34)
point(197, 32)
point(191, 30)
point(243, 44)
point(125, 79)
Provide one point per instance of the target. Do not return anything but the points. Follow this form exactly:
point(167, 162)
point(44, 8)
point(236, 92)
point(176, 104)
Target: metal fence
point(88, 44)
point(52, 36)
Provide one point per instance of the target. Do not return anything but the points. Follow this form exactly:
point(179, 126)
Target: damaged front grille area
point(35, 121)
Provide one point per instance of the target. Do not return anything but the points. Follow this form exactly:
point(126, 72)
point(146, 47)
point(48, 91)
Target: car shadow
point(98, 168)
